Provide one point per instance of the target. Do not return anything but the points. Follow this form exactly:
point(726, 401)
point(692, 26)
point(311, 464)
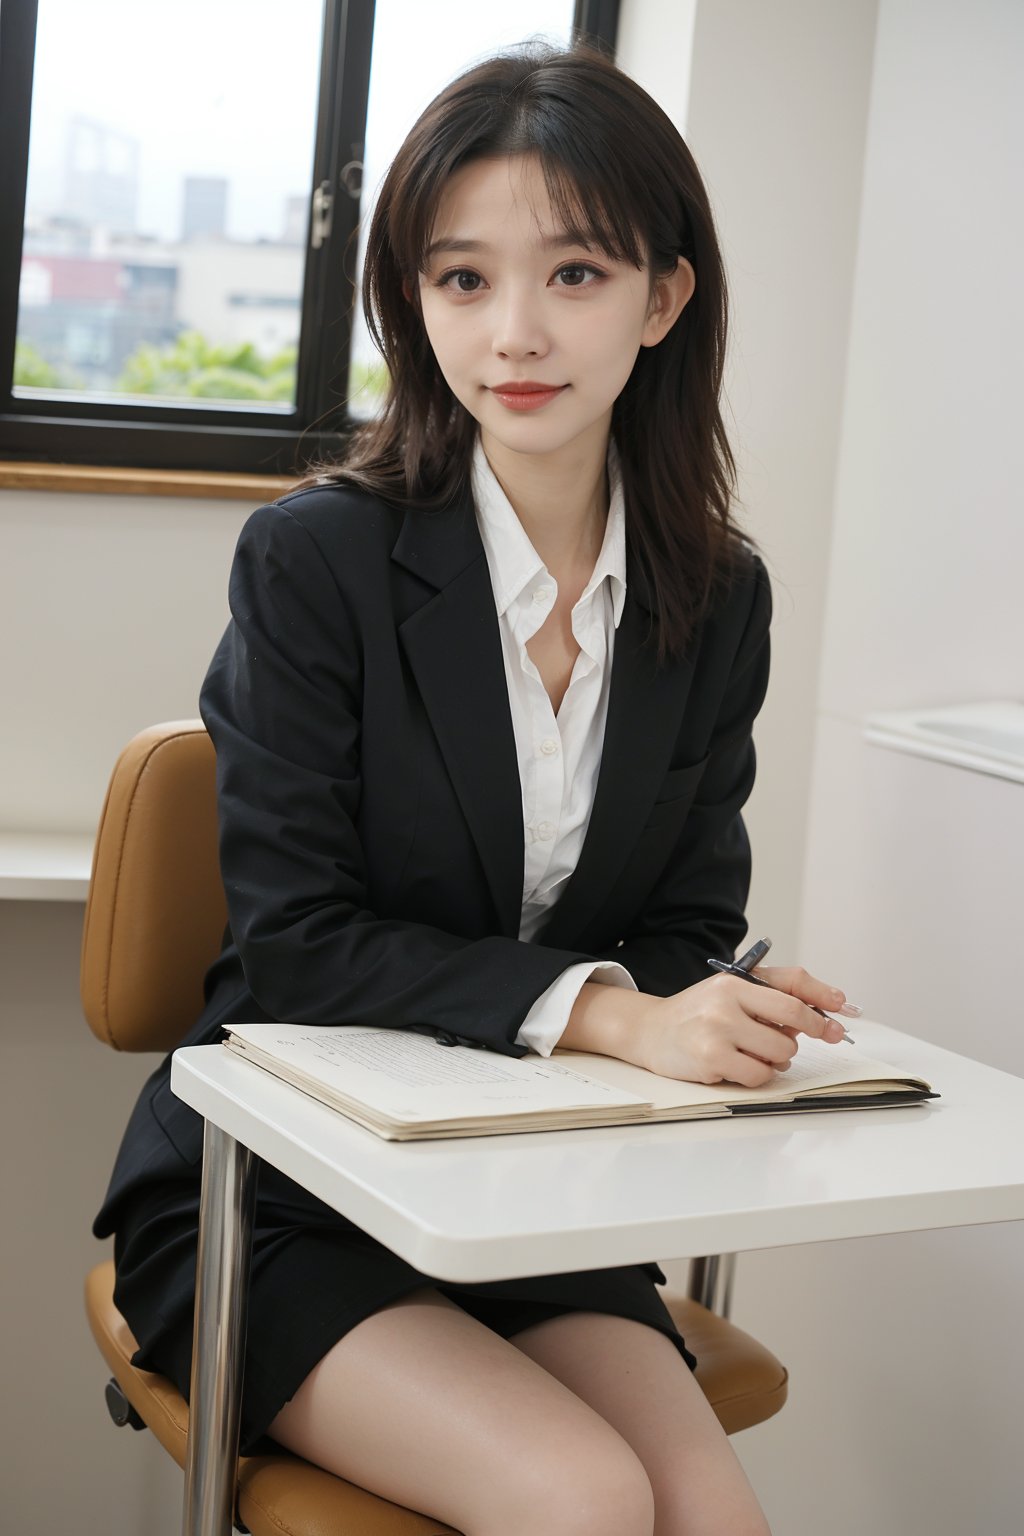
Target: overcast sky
point(228, 88)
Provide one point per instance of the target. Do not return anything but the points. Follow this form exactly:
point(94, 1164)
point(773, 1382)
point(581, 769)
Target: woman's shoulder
point(757, 583)
point(744, 592)
point(736, 623)
point(361, 533)
point(338, 508)
point(749, 569)
point(344, 525)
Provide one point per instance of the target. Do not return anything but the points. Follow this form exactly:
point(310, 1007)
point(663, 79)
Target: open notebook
point(405, 1086)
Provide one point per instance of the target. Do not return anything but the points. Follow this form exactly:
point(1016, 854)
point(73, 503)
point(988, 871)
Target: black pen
point(745, 964)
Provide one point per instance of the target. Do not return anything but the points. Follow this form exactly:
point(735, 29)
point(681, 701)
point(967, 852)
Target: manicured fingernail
point(835, 1030)
point(849, 1011)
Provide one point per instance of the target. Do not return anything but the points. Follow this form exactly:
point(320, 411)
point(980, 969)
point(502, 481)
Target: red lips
point(524, 387)
point(526, 394)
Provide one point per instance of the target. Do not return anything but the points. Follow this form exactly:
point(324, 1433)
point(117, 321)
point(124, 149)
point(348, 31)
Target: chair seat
point(742, 1380)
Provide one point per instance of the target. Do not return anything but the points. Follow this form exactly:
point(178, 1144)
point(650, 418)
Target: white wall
point(924, 606)
point(64, 1102)
point(774, 108)
point(905, 1352)
point(655, 46)
point(110, 607)
point(109, 610)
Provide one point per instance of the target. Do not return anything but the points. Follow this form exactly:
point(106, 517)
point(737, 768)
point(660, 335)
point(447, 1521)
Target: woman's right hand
point(725, 1030)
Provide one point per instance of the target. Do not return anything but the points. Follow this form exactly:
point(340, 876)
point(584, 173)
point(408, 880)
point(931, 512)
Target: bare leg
point(425, 1406)
point(636, 1380)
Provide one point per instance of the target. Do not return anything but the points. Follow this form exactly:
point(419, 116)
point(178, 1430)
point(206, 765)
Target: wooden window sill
point(103, 480)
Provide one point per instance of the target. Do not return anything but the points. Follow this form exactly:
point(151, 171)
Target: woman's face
point(507, 299)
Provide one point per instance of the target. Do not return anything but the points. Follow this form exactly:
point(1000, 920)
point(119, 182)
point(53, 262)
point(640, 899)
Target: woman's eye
point(465, 281)
point(576, 274)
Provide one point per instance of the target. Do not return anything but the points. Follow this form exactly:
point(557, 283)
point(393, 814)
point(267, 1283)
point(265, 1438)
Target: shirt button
point(546, 831)
point(549, 746)
point(542, 594)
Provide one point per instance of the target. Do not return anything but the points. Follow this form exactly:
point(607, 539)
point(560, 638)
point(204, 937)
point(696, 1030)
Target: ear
point(671, 295)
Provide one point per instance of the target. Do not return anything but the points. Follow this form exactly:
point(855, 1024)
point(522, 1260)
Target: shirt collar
point(511, 558)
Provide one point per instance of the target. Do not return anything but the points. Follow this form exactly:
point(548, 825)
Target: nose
point(519, 330)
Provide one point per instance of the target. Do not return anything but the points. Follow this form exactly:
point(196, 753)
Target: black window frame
point(214, 438)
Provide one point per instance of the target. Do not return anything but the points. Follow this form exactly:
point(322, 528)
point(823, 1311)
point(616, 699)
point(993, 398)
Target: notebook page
point(817, 1065)
point(412, 1078)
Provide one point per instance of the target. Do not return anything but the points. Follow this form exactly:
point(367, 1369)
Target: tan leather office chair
point(153, 922)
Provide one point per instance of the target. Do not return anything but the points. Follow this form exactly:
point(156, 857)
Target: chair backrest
point(155, 914)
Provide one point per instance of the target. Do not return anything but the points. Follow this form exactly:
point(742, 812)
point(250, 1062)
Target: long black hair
point(619, 177)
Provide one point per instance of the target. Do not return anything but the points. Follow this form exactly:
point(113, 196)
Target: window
point(177, 198)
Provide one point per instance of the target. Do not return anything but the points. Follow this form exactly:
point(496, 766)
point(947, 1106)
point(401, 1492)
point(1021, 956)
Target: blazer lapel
point(454, 649)
point(645, 709)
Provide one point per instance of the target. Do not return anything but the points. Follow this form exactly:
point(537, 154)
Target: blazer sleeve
point(696, 910)
point(282, 704)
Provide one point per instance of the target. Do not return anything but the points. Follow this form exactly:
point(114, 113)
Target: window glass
point(169, 180)
point(417, 49)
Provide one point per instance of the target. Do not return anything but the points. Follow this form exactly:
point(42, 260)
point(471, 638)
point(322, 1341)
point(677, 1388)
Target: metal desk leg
point(218, 1337)
point(710, 1282)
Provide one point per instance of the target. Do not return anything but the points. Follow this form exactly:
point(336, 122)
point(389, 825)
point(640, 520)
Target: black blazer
point(371, 829)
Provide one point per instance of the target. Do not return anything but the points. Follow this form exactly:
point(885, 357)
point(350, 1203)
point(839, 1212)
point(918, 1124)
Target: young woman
point(483, 728)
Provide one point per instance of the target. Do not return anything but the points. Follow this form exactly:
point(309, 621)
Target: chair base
point(742, 1380)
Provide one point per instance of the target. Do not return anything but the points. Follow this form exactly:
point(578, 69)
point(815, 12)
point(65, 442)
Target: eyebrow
point(457, 243)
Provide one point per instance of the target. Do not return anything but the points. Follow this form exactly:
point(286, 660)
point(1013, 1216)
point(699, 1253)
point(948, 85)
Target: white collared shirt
point(559, 756)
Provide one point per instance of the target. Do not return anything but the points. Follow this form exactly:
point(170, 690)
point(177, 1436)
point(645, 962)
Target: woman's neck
point(561, 499)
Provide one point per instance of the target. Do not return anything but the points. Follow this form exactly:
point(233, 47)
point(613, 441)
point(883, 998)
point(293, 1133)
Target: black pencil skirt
point(314, 1276)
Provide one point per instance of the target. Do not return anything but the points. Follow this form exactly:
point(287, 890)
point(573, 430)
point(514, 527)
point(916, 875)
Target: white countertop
point(45, 866)
point(986, 736)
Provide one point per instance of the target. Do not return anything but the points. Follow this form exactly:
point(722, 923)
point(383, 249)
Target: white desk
point(497, 1207)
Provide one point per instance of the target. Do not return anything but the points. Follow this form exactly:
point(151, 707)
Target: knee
point(605, 1492)
point(675, 1517)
